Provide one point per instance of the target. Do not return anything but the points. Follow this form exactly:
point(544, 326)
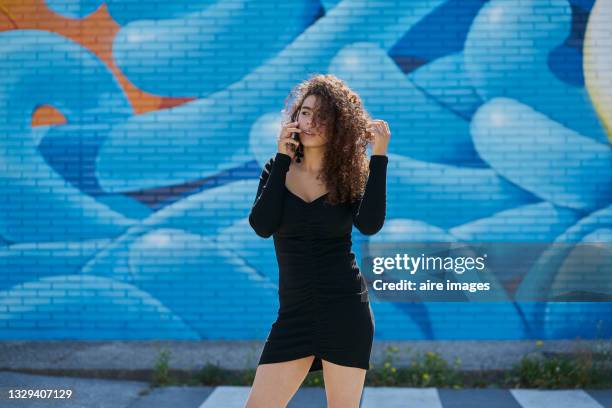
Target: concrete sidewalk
point(127, 358)
point(90, 393)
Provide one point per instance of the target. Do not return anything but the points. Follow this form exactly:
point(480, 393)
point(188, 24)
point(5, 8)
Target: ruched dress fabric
point(324, 309)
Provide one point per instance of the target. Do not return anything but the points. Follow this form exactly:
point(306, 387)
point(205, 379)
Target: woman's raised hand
point(380, 129)
point(286, 144)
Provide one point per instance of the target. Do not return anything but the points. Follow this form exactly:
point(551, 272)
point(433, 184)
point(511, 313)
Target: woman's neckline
point(302, 200)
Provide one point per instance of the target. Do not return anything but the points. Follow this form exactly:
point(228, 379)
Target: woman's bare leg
point(276, 383)
point(343, 385)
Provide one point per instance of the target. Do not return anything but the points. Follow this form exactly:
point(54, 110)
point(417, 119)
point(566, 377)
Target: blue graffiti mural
point(124, 225)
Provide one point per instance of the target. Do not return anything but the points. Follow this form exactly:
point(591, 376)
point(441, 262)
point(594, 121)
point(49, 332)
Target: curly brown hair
point(345, 163)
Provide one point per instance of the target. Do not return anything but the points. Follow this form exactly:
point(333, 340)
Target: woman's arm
point(265, 215)
point(369, 212)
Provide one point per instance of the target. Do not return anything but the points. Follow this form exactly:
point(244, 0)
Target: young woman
point(309, 196)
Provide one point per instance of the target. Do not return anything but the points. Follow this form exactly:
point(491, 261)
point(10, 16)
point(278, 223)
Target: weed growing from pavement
point(161, 374)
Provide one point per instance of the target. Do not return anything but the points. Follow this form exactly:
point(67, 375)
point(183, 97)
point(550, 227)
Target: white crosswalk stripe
point(398, 397)
point(391, 397)
point(227, 396)
point(554, 398)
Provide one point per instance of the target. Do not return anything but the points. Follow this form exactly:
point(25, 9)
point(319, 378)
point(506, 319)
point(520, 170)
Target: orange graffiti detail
point(47, 115)
point(95, 33)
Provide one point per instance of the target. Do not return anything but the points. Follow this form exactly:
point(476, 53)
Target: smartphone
point(295, 135)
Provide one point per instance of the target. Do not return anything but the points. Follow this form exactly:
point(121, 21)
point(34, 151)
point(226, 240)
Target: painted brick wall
point(133, 134)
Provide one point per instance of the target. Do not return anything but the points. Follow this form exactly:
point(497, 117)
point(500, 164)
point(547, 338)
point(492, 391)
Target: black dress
point(324, 308)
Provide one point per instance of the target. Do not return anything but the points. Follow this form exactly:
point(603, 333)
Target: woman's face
point(310, 136)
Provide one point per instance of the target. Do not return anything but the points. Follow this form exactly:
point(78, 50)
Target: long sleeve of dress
point(369, 212)
point(265, 215)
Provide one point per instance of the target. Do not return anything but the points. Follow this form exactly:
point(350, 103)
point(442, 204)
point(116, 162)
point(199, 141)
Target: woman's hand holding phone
point(286, 143)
